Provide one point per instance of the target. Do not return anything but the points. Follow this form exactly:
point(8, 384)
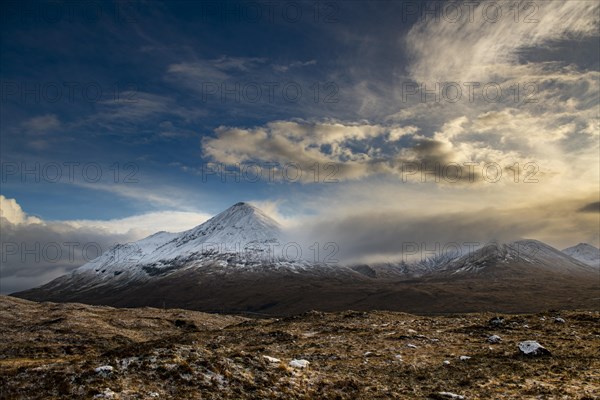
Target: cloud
point(473, 50)
point(140, 226)
point(591, 208)
point(213, 70)
point(136, 115)
point(35, 251)
point(295, 64)
point(196, 71)
point(41, 124)
point(359, 150)
point(373, 228)
point(38, 128)
point(237, 63)
point(12, 212)
point(301, 142)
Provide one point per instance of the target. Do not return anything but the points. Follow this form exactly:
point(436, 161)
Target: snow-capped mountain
point(586, 253)
point(526, 256)
point(241, 242)
point(231, 263)
point(242, 230)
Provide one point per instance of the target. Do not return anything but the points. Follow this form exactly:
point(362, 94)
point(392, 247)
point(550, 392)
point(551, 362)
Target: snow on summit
point(240, 228)
point(586, 253)
point(239, 224)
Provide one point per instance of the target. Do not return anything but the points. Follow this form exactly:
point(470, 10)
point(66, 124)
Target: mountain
point(234, 263)
point(242, 233)
point(520, 257)
point(586, 253)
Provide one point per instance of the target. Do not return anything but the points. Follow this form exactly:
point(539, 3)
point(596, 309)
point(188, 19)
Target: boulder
point(531, 348)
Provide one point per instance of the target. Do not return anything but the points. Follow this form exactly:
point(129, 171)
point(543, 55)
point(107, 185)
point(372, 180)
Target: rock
point(446, 362)
point(299, 363)
point(446, 395)
point(464, 358)
point(104, 369)
point(272, 359)
point(412, 346)
point(494, 339)
point(106, 394)
point(496, 321)
point(559, 320)
point(533, 348)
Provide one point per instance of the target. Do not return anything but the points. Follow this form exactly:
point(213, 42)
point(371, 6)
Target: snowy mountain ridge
point(522, 252)
point(586, 253)
point(241, 230)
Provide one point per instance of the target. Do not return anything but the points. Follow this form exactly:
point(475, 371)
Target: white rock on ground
point(104, 369)
point(494, 339)
point(532, 348)
point(106, 394)
point(450, 395)
point(446, 362)
point(464, 358)
point(412, 346)
point(299, 363)
point(559, 320)
point(272, 359)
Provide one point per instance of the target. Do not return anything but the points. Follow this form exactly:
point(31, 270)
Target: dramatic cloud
point(359, 150)
point(365, 229)
point(473, 50)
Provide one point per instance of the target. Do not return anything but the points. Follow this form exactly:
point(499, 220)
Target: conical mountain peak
point(241, 223)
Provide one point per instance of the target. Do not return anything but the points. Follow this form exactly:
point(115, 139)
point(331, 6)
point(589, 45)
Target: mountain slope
point(586, 253)
point(241, 230)
point(516, 259)
point(230, 260)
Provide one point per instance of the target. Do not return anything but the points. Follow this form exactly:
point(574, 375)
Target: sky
point(370, 124)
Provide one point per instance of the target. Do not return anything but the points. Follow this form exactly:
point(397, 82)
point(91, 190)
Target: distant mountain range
point(233, 263)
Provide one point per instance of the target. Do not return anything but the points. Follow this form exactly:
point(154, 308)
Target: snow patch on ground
point(299, 363)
